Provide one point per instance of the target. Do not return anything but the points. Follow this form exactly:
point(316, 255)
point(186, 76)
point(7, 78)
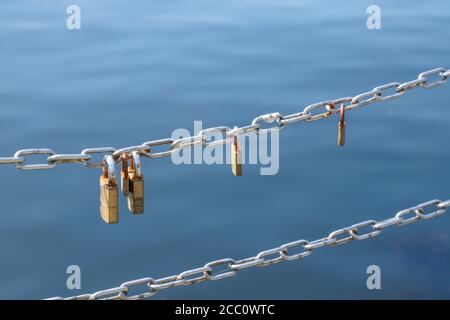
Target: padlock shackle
point(136, 163)
point(109, 168)
point(236, 142)
point(124, 166)
point(342, 114)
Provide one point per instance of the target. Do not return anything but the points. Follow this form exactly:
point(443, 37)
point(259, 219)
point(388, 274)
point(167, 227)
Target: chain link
point(321, 111)
point(304, 248)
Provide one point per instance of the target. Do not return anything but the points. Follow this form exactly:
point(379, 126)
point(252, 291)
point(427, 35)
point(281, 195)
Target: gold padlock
point(341, 127)
point(236, 158)
point(136, 185)
point(124, 177)
point(109, 192)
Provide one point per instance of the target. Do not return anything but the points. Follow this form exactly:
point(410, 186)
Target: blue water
point(139, 69)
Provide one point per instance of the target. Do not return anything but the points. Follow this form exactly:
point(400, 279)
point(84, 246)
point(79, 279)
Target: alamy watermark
point(373, 21)
point(74, 279)
point(73, 21)
point(374, 280)
point(262, 149)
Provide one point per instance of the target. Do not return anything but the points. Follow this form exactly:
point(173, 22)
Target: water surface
point(137, 70)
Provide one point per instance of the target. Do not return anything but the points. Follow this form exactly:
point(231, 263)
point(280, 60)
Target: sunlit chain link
point(224, 268)
point(261, 125)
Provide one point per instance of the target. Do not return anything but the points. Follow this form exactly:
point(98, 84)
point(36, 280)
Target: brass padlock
point(109, 192)
point(124, 177)
point(236, 158)
point(341, 127)
point(136, 185)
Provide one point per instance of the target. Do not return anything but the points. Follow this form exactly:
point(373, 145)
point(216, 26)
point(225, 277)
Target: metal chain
point(224, 268)
point(313, 112)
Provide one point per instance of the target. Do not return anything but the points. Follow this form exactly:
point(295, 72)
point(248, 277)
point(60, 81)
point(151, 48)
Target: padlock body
point(109, 201)
point(236, 161)
point(341, 134)
point(124, 183)
point(136, 194)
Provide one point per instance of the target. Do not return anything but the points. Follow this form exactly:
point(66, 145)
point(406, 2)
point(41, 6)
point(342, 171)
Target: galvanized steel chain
point(228, 267)
point(313, 112)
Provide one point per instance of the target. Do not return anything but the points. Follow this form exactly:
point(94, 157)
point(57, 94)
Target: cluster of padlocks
point(132, 182)
point(131, 185)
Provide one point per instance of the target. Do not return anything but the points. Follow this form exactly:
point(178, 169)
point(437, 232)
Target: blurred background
point(139, 69)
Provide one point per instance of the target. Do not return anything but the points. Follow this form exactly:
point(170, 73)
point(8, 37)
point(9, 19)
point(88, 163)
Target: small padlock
point(236, 158)
point(109, 192)
point(124, 177)
point(136, 185)
point(341, 127)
